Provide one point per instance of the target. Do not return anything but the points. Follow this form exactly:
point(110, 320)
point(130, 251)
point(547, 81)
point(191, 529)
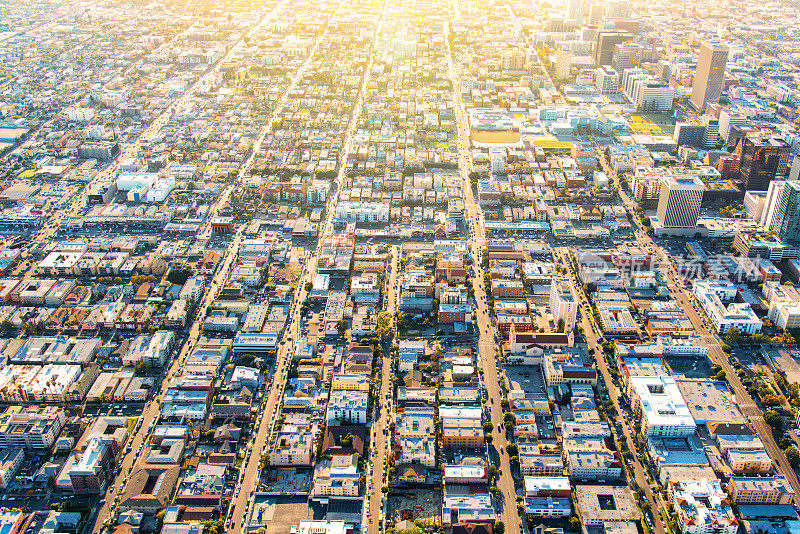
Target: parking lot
point(117, 410)
point(786, 361)
point(528, 378)
point(689, 367)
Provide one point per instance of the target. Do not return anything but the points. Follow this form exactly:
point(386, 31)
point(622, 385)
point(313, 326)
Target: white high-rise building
point(607, 80)
point(644, 90)
point(575, 11)
point(563, 305)
point(771, 203)
point(727, 120)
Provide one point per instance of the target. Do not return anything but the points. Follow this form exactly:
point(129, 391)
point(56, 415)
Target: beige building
point(709, 78)
point(760, 490)
point(749, 462)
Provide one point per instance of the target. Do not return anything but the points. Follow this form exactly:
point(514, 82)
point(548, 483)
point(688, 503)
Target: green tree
point(733, 336)
point(773, 400)
point(793, 455)
point(773, 419)
point(341, 327)
point(179, 275)
point(384, 323)
point(160, 516)
point(499, 527)
point(347, 441)
point(214, 526)
point(6, 326)
point(492, 471)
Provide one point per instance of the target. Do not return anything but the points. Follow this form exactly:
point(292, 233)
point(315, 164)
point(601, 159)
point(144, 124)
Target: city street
point(381, 442)
point(562, 257)
point(251, 471)
point(506, 497)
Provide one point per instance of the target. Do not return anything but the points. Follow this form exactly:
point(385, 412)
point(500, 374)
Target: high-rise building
point(575, 11)
point(787, 216)
point(771, 203)
point(712, 130)
point(563, 305)
point(652, 95)
point(689, 134)
point(730, 119)
point(589, 33)
point(604, 45)
point(794, 169)
point(649, 94)
point(679, 202)
point(513, 60)
point(762, 158)
point(596, 12)
point(563, 62)
point(607, 80)
point(618, 9)
point(627, 56)
point(709, 78)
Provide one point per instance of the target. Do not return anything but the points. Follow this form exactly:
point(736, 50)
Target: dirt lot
point(424, 504)
point(278, 515)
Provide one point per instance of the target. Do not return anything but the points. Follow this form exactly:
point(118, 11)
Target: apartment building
point(30, 428)
point(462, 427)
point(658, 404)
point(761, 490)
point(292, 447)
